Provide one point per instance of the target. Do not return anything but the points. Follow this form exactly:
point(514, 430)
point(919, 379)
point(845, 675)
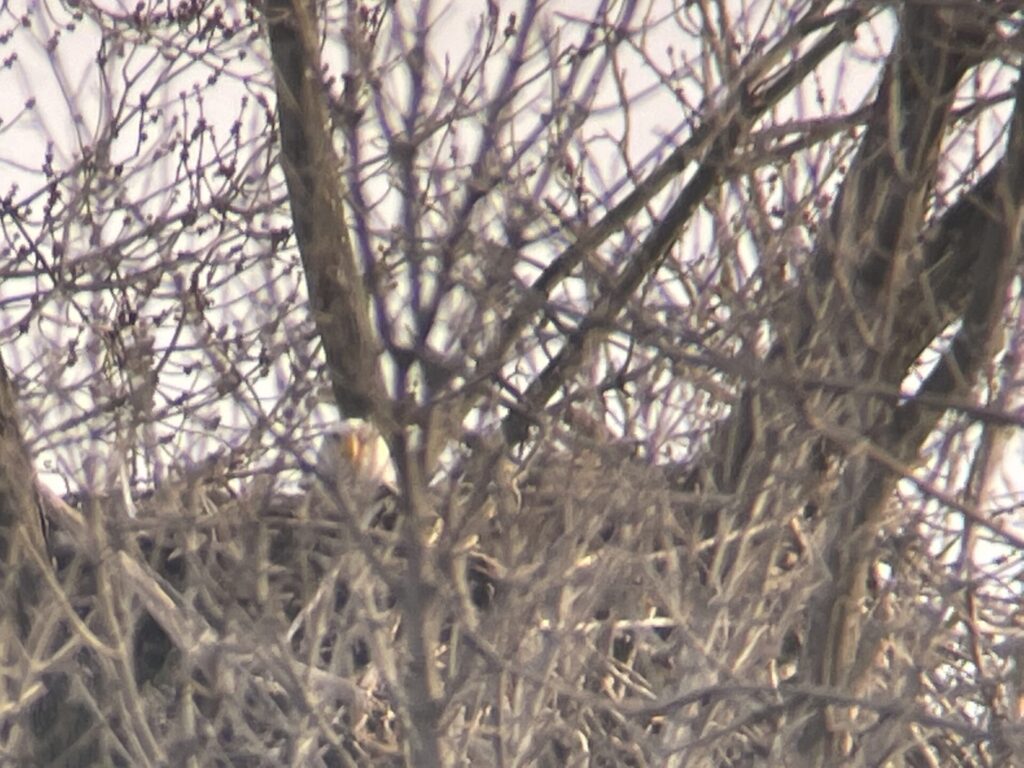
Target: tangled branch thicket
point(683, 340)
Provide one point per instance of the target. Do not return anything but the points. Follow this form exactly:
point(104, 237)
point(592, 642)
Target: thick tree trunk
point(312, 169)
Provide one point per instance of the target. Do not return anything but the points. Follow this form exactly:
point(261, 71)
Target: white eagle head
point(355, 454)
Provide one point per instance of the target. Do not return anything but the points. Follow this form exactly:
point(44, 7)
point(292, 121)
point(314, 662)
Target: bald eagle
point(354, 465)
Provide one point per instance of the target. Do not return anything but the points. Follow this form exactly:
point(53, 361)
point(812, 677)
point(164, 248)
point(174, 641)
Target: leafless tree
point(677, 346)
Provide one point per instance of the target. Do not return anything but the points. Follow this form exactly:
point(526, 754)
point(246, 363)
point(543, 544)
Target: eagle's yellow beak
point(352, 448)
